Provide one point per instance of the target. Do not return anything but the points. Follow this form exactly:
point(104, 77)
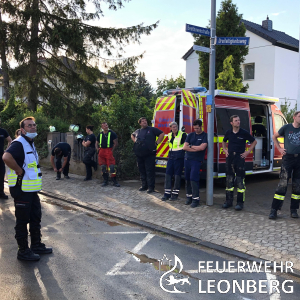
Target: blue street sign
point(201, 49)
point(209, 100)
point(197, 30)
point(234, 41)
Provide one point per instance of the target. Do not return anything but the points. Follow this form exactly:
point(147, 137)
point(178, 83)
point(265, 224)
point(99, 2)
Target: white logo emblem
point(171, 279)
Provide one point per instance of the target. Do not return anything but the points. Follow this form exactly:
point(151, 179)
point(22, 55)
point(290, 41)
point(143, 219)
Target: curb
point(170, 232)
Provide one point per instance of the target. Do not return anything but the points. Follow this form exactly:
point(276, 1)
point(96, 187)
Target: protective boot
point(188, 201)
point(24, 253)
point(229, 199)
point(144, 186)
point(294, 213)
point(58, 175)
point(115, 182)
point(195, 203)
point(105, 179)
point(37, 246)
point(273, 214)
point(239, 206)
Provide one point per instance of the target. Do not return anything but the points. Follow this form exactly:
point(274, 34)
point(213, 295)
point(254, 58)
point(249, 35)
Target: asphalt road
point(100, 258)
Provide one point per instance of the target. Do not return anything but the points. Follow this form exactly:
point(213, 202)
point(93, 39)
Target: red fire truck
point(258, 113)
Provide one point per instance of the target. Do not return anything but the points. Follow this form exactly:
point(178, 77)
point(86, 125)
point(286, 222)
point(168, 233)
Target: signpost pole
point(210, 127)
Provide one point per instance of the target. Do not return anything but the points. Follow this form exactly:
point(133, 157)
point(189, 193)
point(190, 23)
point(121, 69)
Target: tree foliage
point(55, 45)
point(168, 84)
point(228, 24)
point(287, 111)
point(226, 80)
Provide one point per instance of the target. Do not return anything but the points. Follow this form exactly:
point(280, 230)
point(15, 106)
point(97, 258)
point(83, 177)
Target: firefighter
point(175, 162)
point(106, 143)
point(235, 161)
point(61, 150)
point(195, 146)
point(290, 165)
point(144, 147)
point(25, 181)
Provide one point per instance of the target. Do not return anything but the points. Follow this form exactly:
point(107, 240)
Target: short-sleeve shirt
point(291, 138)
point(104, 140)
point(3, 135)
point(196, 140)
point(92, 139)
point(237, 141)
point(65, 148)
point(17, 151)
point(149, 134)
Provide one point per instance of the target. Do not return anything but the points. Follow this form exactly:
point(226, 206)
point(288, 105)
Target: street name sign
point(201, 48)
point(197, 30)
point(234, 41)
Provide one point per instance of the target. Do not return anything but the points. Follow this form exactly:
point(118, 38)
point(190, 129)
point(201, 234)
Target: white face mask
point(31, 135)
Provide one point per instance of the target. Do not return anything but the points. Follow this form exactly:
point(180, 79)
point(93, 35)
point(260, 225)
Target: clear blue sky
point(169, 42)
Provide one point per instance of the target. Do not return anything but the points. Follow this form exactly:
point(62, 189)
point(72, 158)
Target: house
point(271, 67)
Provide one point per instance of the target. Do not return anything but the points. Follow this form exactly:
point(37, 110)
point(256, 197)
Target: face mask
point(31, 135)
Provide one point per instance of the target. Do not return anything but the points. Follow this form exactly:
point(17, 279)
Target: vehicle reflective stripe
point(280, 140)
point(297, 197)
point(108, 139)
point(201, 107)
point(163, 148)
point(230, 189)
point(165, 103)
point(189, 98)
point(218, 139)
point(279, 197)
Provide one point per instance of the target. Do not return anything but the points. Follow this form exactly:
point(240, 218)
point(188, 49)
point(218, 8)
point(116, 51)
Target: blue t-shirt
point(237, 141)
point(196, 140)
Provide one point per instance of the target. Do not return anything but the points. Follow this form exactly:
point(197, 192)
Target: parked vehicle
point(259, 115)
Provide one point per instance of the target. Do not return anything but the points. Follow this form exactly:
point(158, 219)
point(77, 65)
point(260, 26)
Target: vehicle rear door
point(189, 111)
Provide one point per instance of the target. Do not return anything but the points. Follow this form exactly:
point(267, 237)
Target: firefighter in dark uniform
point(25, 181)
point(3, 136)
point(88, 158)
point(290, 165)
point(61, 150)
point(106, 143)
point(175, 162)
point(195, 146)
point(145, 144)
point(235, 161)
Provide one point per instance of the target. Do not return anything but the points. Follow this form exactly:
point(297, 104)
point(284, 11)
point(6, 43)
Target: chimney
point(267, 24)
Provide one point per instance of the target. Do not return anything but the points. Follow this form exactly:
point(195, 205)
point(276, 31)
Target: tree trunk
point(33, 63)
point(3, 60)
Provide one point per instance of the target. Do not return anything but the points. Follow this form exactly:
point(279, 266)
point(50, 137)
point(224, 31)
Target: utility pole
point(211, 115)
point(298, 99)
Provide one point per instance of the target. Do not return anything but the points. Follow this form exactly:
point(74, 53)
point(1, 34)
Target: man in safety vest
point(25, 180)
point(106, 143)
point(175, 162)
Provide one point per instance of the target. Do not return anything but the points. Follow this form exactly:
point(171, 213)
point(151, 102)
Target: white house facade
point(271, 67)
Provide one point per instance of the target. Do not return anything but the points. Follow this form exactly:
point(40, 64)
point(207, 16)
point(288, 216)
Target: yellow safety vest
point(31, 181)
point(175, 146)
point(108, 139)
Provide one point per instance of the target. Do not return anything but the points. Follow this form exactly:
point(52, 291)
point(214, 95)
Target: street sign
point(197, 30)
point(201, 48)
point(234, 41)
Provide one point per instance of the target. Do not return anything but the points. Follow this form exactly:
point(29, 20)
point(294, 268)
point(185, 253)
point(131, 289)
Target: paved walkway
point(245, 231)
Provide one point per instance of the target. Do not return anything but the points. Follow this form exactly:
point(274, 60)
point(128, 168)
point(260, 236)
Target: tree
point(168, 84)
point(287, 111)
point(228, 24)
point(54, 46)
point(226, 80)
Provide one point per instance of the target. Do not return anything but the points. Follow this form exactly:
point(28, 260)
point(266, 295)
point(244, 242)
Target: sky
point(167, 44)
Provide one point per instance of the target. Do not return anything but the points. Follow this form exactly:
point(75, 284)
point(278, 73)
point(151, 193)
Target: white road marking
point(273, 295)
point(118, 266)
point(41, 284)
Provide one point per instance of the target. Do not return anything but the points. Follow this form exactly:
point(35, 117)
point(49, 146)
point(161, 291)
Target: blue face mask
point(31, 135)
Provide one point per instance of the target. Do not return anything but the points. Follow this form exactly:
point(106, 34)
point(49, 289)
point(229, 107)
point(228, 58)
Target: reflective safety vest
point(32, 179)
point(108, 139)
point(175, 146)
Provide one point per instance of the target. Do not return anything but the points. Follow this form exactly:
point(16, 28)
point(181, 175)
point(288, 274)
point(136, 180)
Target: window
point(279, 122)
point(223, 119)
point(249, 71)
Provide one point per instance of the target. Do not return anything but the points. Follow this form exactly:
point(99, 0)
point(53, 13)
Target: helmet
point(79, 137)
point(52, 128)
point(74, 128)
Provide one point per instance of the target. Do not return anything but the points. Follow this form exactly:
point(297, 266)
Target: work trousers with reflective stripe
point(290, 168)
point(174, 167)
point(235, 169)
point(192, 178)
point(27, 211)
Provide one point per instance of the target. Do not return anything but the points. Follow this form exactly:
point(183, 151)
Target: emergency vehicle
point(258, 114)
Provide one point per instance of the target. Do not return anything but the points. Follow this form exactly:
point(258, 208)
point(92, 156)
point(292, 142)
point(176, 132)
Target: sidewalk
point(248, 231)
